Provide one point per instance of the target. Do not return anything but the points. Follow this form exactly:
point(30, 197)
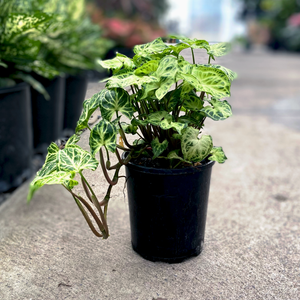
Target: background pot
point(168, 210)
point(76, 86)
point(47, 115)
point(15, 136)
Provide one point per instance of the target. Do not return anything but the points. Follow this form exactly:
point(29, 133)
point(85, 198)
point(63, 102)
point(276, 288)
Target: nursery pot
point(167, 210)
point(47, 115)
point(15, 136)
point(76, 86)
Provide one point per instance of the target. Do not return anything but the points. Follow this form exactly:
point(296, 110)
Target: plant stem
point(193, 55)
point(104, 169)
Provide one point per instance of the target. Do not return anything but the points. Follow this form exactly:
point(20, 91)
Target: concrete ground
point(252, 246)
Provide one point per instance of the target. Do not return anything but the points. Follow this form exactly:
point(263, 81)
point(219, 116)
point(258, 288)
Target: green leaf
point(230, 74)
point(220, 110)
point(118, 62)
point(218, 155)
point(149, 87)
point(126, 79)
point(155, 46)
point(50, 162)
point(89, 106)
point(164, 86)
point(103, 134)
point(219, 49)
point(212, 81)
point(158, 148)
point(178, 48)
point(174, 155)
point(192, 102)
point(147, 68)
point(62, 177)
point(115, 100)
point(193, 148)
point(75, 159)
point(74, 139)
point(129, 128)
point(2, 64)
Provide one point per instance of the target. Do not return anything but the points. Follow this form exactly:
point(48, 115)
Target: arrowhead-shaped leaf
point(217, 154)
point(218, 110)
point(73, 140)
point(89, 106)
point(219, 49)
point(155, 46)
point(230, 74)
point(192, 102)
point(103, 134)
point(118, 62)
point(115, 100)
point(62, 177)
point(75, 159)
point(158, 148)
point(147, 68)
point(212, 81)
point(195, 149)
point(50, 162)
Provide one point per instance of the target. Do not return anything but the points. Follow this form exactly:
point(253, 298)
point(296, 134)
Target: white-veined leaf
point(115, 100)
point(158, 148)
point(219, 49)
point(103, 134)
point(218, 155)
point(75, 159)
point(155, 46)
point(218, 110)
point(193, 148)
point(50, 162)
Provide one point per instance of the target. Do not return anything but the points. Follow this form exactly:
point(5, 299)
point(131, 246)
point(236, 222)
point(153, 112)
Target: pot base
point(170, 260)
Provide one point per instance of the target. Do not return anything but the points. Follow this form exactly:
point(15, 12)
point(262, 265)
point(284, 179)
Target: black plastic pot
point(47, 115)
point(15, 136)
point(168, 210)
point(76, 87)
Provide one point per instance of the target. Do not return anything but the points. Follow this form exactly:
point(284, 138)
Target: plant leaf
point(103, 134)
point(195, 149)
point(219, 49)
point(158, 147)
point(218, 155)
point(212, 81)
point(230, 74)
point(115, 100)
point(89, 106)
point(61, 177)
point(192, 102)
point(118, 62)
point(147, 68)
point(50, 161)
point(155, 46)
point(74, 139)
point(75, 159)
point(220, 110)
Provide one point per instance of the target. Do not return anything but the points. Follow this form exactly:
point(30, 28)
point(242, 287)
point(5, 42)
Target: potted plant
point(168, 166)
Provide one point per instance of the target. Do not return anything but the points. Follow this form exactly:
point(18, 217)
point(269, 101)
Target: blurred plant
point(128, 23)
point(291, 33)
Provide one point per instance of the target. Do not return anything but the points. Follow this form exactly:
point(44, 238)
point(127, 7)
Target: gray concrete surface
point(252, 246)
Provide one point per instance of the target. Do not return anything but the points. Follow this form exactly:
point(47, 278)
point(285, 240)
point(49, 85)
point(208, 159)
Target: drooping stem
point(104, 169)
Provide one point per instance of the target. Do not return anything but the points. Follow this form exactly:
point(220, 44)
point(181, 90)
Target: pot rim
point(15, 88)
point(158, 171)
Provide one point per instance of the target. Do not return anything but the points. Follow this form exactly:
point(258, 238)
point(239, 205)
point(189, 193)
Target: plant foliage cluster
point(46, 38)
point(164, 101)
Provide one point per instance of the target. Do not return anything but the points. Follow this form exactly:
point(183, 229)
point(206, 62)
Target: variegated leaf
point(178, 48)
point(193, 148)
point(230, 74)
point(166, 124)
point(73, 140)
point(147, 68)
point(118, 62)
point(89, 106)
point(127, 79)
point(75, 159)
point(155, 46)
point(219, 49)
point(190, 82)
point(212, 81)
point(115, 100)
point(50, 162)
point(186, 88)
point(61, 177)
point(150, 87)
point(174, 99)
point(168, 67)
point(192, 102)
point(158, 148)
point(218, 155)
point(103, 134)
point(174, 155)
point(218, 110)
point(164, 87)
